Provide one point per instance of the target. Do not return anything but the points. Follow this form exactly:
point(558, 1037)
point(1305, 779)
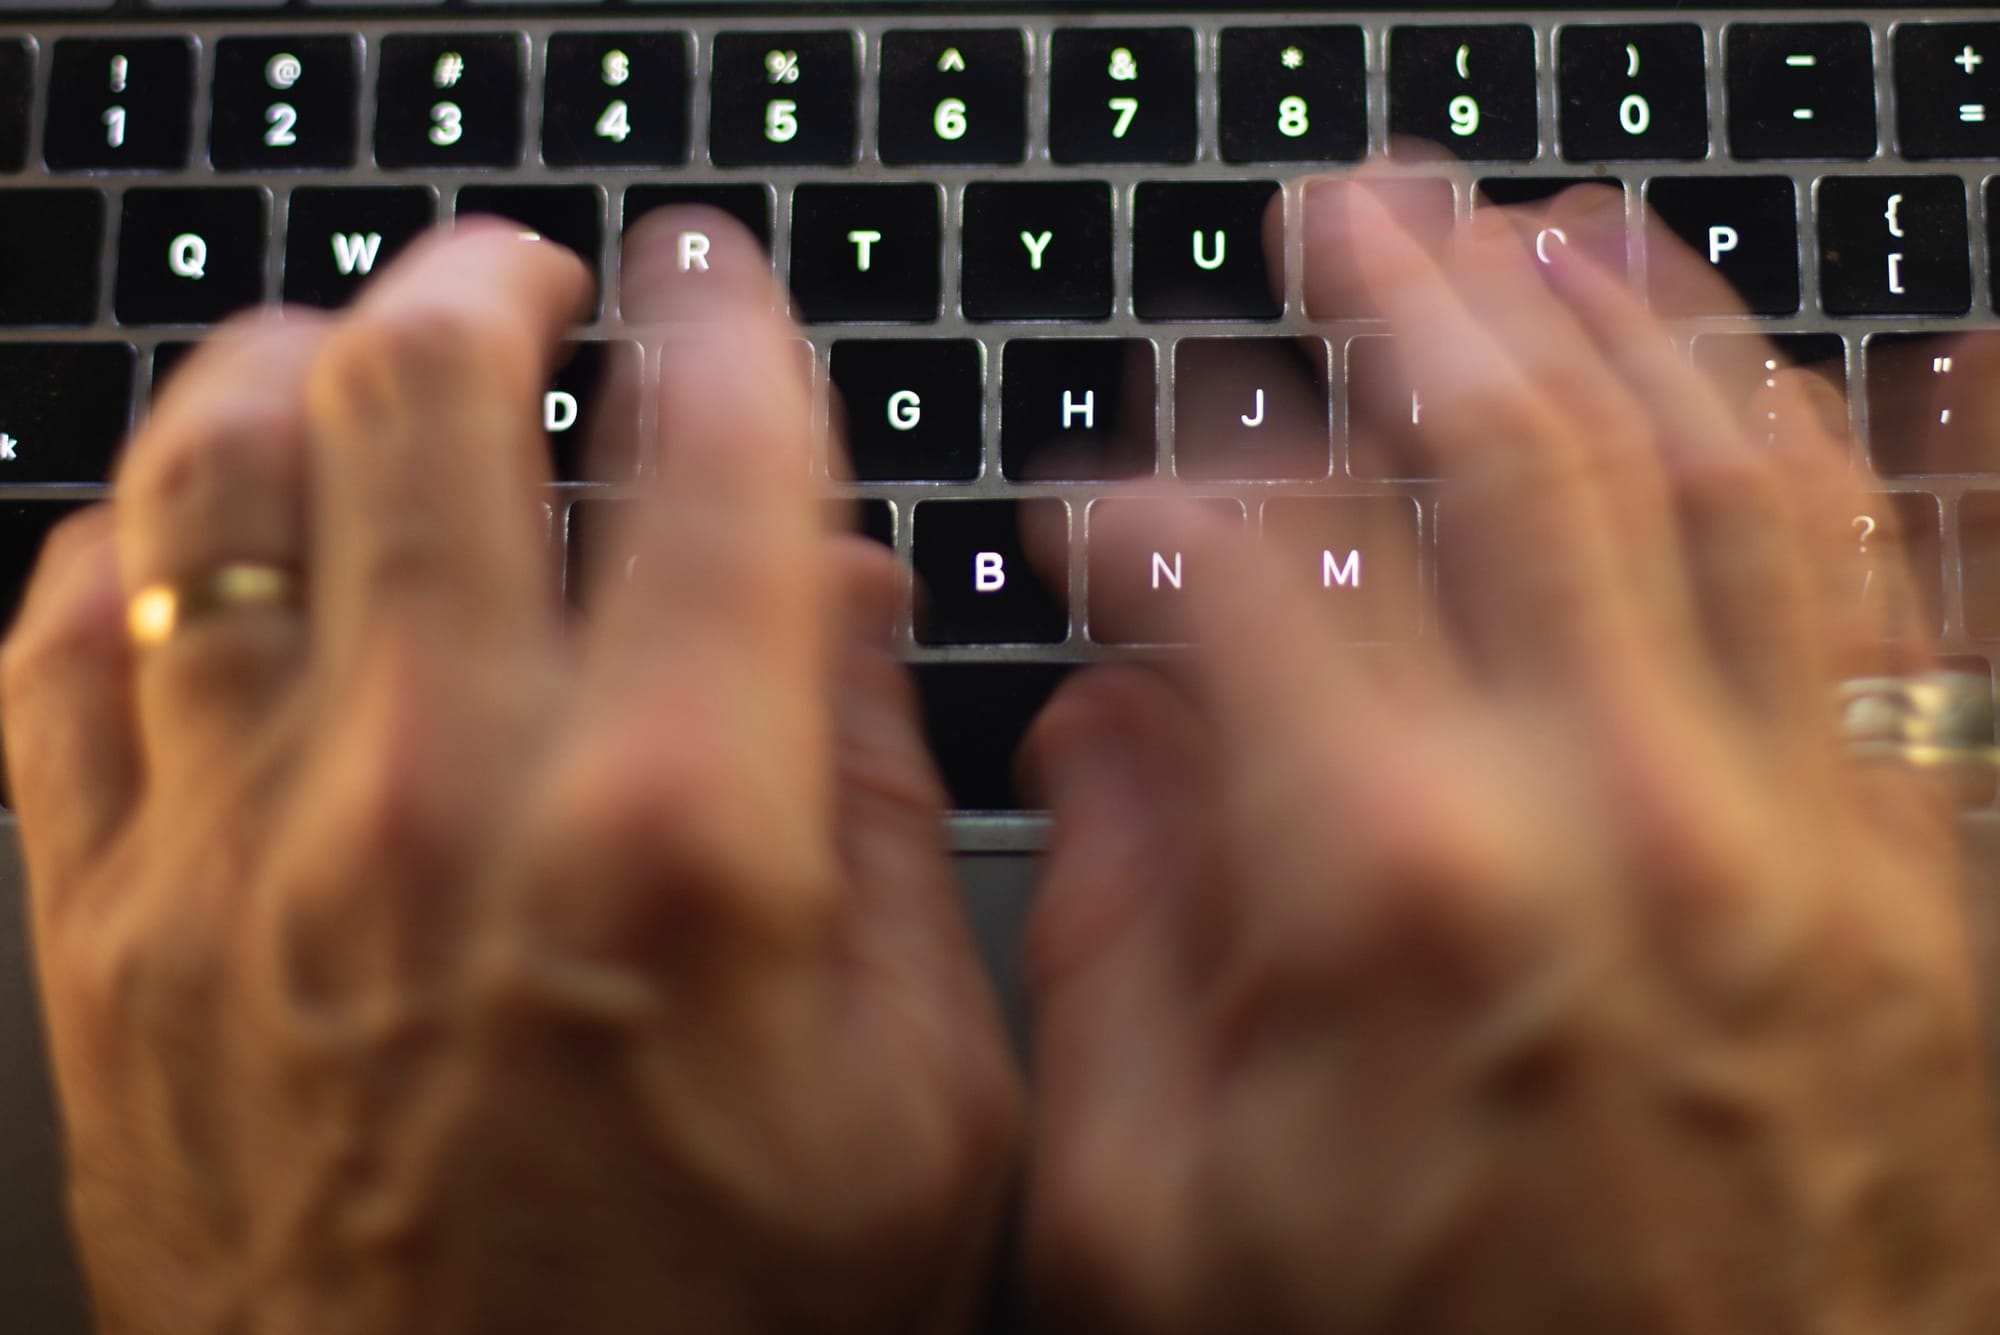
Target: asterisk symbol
point(1293, 57)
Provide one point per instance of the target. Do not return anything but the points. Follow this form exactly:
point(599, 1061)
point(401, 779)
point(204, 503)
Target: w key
point(335, 239)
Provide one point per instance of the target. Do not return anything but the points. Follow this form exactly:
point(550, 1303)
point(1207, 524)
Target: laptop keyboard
point(985, 226)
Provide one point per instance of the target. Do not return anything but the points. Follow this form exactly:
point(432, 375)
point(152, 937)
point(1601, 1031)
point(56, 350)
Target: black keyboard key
point(284, 103)
point(1801, 90)
point(1741, 365)
point(1138, 581)
point(1361, 552)
point(1037, 251)
point(979, 585)
point(1894, 245)
point(874, 519)
point(17, 87)
point(1293, 94)
point(954, 97)
point(64, 408)
point(914, 410)
point(119, 104)
point(1746, 226)
point(168, 354)
point(49, 246)
point(1077, 409)
point(590, 413)
point(1948, 90)
point(783, 99)
point(336, 239)
point(1122, 95)
point(570, 215)
point(1198, 251)
point(867, 252)
point(1934, 403)
point(616, 99)
point(1979, 543)
point(449, 100)
point(1632, 92)
point(24, 527)
point(748, 204)
point(1514, 191)
point(189, 256)
point(975, 715)
point(1901, 529)
point(1251, 409)
point(1470, 89)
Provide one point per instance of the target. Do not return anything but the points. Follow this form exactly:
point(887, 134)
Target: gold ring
point(1929, 719)
point(157, 611)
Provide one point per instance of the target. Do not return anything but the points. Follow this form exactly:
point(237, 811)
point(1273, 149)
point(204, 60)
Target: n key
point(336, 239)
point(1139, 574)
point(1471, 90)
point(119, 104)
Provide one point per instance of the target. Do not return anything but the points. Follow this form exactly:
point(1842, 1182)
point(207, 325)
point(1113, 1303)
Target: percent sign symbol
point(782, 66)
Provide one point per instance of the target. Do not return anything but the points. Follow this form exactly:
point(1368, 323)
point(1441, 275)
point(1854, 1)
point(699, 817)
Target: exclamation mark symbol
point(117, 74)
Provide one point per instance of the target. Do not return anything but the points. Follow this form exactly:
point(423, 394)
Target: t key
point(783, 99)
point(1801, 90)
point(1630, 92)
point(119, 104)
point(1470, 89)
point(954, 97)
point(449, 100)
point(1122, 95)
point(1893, 245)
point(283, 102)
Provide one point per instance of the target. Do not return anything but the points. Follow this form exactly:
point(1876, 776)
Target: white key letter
point(1345, 574)
point(187, 255)
point(1256, 419)
point(989, 572)
point(694, 252)
point(558, 410)
point(906, 409)
point(864, 248)
point(1036, 245)
point(1722, 239)
point(1202, 259)
point(354, 252)
point(1087, 410)
point(1170, 573)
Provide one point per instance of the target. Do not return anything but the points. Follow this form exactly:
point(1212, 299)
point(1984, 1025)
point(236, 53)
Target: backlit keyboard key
point(913, 409)
point(1740, 366)
point(1934, 403)
point(17, 87)
point(1294, 94)
point(336, 239)
point(189, 256)
point(979, 583)
point(569, 215)
point(1948, 90)
point(1801, 90)
point(1979, 543)
point(1037, 251)
point(1901, 550)
point(1631, 92)
point(1384, 413)
point(1140, 576)
point(590, 413)
point(1077, 409)
point(449, 100)
point(64, 408)
point(24, 527)
point(49, 246)
point(1469, 89)
point(1198, 251)
point(748, 204)
point(866, 252)
point(284, 103)
point(1122, 95)
point(1360, 552)
point(1251, 409)
point(1894, 245)
point(783, 99)
point(975, 716)
point(119, 104)
point(616, 99)
point(1746, 226)
point(954, 96)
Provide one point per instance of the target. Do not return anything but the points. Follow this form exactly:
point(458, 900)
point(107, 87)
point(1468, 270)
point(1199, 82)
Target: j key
point(975, 715)
point(1198, 251)
point(1122, 95)
point(1898, 540)
point(1801, 90)
point(914, 409)
point(1934, 403)
point(954, 96)
point(1037, 251)
point(570, 215)
point(284, 103)
point(979, 585)
point(335, 239)
point(49, 244)
point(1251, 409)
point(1077, 409)
point(1632, 92)
point(1470, 89)
point(748, 204)
point(1139, 576)
point(1979, 548)
point(119, 104)
point(1746, 226)
point(17, 86)
point(449, 100)
point(866, 252)
point(1948, 90)
point(1893, 245)
point(783, 99)
point(616, 99)
point(1360, 552)
point(1741, 366)
point(1293, 94)
point(591, 413)
point(189, 256)
point(63, 409)
point(24, 526)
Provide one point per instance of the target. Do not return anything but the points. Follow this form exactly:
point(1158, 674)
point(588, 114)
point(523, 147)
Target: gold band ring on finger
point(1931, 719)
point(161, 610)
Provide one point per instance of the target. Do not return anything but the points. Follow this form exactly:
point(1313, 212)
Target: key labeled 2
point(284, 103)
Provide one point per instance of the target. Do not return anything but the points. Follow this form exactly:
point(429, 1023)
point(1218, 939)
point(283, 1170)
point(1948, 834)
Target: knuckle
point(379, 362)
point(232, 438)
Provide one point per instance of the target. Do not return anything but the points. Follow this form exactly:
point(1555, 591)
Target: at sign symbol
point(283, 70)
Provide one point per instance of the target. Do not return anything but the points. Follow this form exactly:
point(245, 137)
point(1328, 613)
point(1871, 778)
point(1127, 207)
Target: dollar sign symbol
point(617, 68)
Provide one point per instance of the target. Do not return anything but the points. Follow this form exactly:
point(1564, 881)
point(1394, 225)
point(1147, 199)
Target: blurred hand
point(1556, 971)
point(413, 962)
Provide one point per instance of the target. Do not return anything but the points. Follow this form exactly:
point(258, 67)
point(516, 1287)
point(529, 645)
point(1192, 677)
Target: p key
point(1469, 89)
point(1746, 226)
point(283, 103)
